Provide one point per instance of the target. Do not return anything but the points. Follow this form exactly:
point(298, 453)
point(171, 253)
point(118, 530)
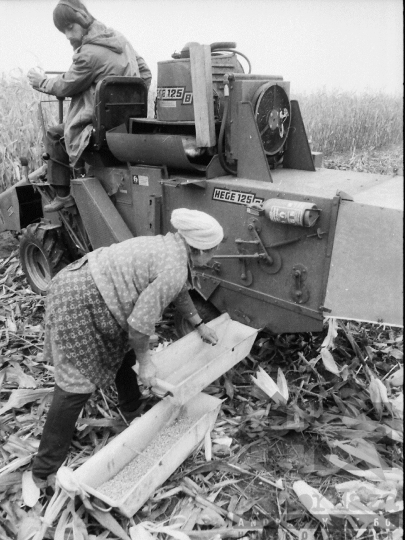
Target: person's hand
point(207, 334)
point(147, 370)
point(35, 76)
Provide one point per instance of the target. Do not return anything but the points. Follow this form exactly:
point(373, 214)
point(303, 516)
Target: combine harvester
point(301, 241)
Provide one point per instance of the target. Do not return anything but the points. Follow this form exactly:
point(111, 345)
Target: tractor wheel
point(206, 310)
point(42, 256)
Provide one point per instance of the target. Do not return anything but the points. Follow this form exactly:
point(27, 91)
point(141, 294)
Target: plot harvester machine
point(301, 242)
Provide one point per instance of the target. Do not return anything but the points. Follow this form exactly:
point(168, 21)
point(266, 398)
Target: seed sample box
point(127, 471)
point(188, 365)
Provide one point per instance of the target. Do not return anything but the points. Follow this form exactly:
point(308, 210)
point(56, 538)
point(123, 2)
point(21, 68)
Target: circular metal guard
point(273, 114)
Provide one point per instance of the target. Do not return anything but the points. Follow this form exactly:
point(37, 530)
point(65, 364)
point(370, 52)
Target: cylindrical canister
point(299, 213)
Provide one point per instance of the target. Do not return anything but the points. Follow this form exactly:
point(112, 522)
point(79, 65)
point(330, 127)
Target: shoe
point(58, 203)
point(47, 485)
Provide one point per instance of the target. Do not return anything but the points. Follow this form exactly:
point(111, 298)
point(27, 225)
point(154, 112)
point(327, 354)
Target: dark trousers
point(64, 412)
point(58, 164)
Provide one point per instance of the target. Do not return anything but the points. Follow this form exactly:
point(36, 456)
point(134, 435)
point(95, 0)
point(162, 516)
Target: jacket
point(103, 52)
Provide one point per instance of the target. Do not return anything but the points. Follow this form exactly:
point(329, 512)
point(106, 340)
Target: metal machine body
point(270, 272)
point(301, 242)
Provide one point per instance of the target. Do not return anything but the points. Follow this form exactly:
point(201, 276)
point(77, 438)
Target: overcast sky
point(351, 45)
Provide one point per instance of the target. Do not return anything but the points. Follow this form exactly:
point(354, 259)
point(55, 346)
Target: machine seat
point(117, 99)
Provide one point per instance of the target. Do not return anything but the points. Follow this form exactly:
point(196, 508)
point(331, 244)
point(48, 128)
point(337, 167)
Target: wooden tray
point(188, 365)
point(202, 411)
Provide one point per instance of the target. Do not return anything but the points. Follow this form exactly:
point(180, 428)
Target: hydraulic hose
point(221, 153)
point(239, 53)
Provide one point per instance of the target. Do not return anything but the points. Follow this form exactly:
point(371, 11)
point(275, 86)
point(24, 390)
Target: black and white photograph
point(201, 269)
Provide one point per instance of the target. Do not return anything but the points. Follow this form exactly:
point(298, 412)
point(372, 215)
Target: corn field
point(336, 123)
point(340, 122)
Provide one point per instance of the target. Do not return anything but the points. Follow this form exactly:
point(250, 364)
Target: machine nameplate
point(170, 92)
point(140, 180)
point(235, 197)
point(168, 95)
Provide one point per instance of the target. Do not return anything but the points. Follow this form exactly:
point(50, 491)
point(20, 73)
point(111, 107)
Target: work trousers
point(59, 171)
point(64, 412)
point(58, 164)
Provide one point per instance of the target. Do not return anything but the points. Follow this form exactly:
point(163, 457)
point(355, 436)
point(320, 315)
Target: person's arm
point(78, 78)
point(147, 311)
point(144, 70)
point(140, 344)
point(186, 308)
point(161, 291)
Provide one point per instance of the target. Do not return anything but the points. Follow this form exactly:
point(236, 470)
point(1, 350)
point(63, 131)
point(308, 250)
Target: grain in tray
point(126, 478)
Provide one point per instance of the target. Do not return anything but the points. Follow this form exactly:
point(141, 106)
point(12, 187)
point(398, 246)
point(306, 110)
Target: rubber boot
point(58, 432)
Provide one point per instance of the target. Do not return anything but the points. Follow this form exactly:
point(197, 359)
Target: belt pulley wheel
point(273, 115)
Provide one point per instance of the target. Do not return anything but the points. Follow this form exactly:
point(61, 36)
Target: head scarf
point(200, 230)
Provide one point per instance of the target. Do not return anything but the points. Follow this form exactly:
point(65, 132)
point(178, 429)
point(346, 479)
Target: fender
point(20, 205)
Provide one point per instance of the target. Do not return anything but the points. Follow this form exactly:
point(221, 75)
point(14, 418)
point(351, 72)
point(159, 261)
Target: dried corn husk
point(378, 395)
point(329, 340)
point(30, 491)
point(138, 532)
point(397, 378)
point(329, 362)
point(397, 405)
point(269, 387)
point(282, 384)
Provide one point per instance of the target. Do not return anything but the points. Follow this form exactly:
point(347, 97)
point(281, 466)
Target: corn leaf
point(19, 398)
point(363, 450)
point(79, 528)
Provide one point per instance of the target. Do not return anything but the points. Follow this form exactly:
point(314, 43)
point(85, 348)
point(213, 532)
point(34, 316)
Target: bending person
point(108, 302)
point(98, 52)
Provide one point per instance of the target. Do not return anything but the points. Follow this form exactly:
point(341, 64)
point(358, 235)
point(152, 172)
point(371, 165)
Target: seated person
point(98, 52)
